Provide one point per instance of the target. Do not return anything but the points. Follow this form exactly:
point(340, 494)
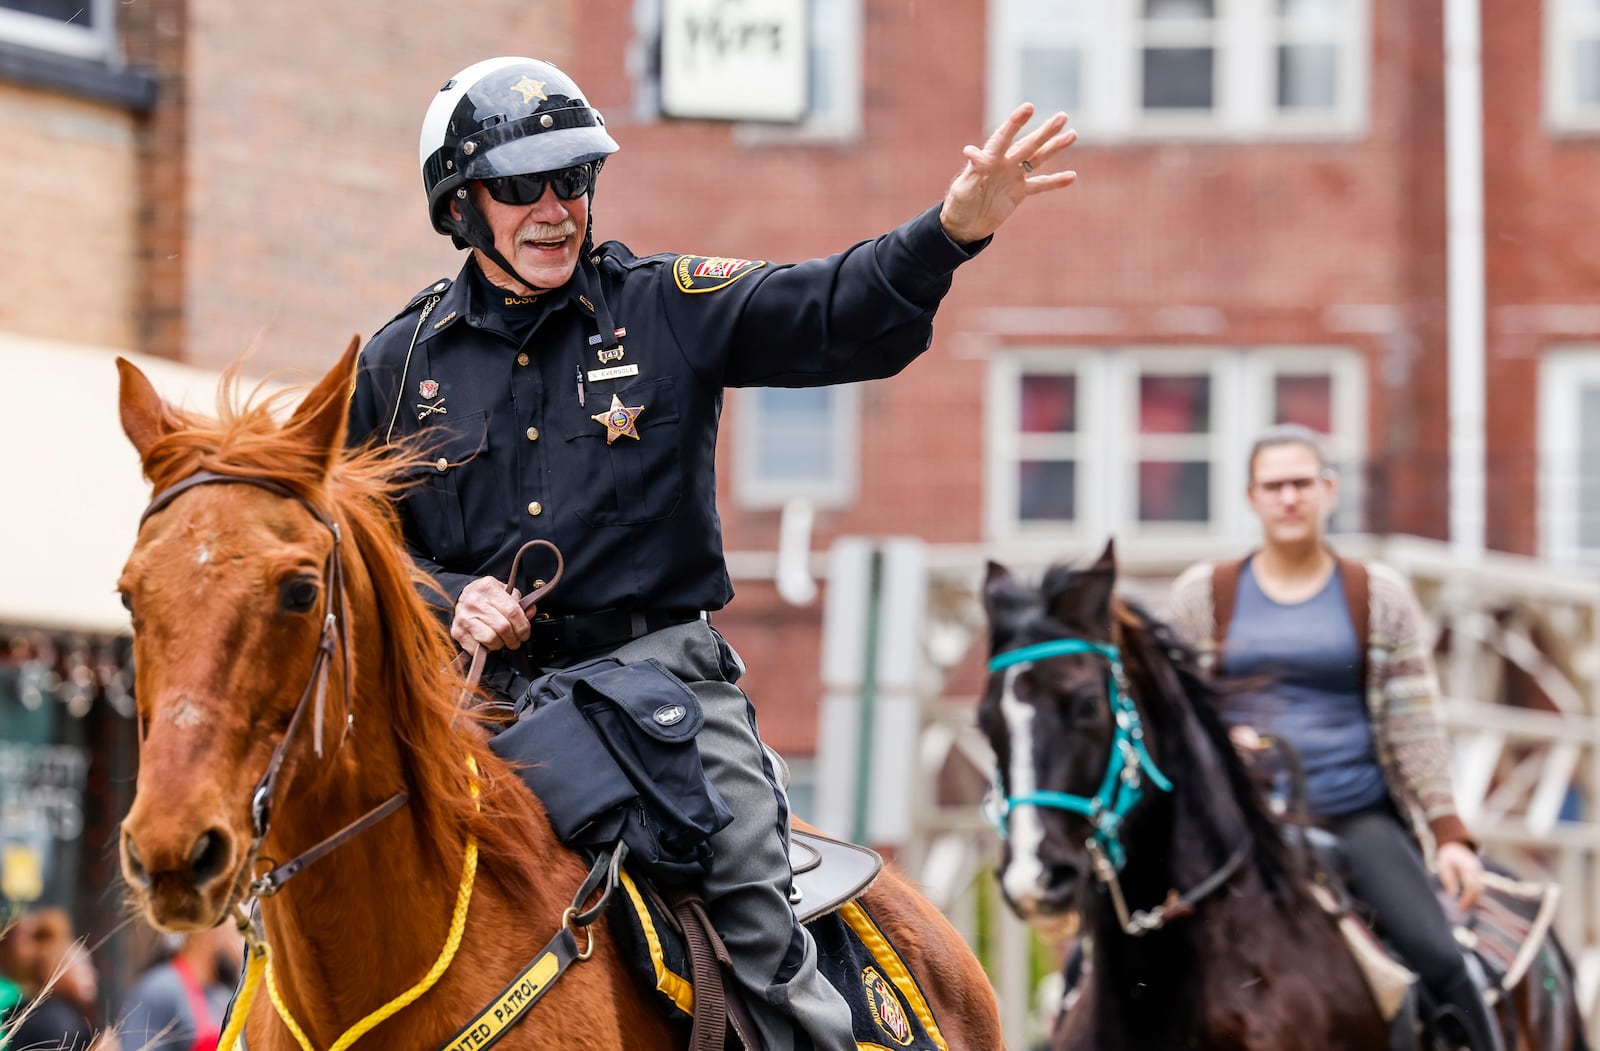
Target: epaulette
point(439, 287)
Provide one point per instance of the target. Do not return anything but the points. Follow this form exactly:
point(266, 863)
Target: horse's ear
point(322, 416)
point(1086, 601)
point(145, 417)
point(995, 578)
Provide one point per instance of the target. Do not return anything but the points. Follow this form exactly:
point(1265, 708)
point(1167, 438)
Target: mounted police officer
point(572, 392)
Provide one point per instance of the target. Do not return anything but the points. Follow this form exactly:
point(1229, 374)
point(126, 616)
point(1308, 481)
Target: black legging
point(1387, 874)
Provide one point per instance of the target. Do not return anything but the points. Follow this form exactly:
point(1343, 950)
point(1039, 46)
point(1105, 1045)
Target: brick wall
point(1541, 211)
point(69, 262)
point(304, 214)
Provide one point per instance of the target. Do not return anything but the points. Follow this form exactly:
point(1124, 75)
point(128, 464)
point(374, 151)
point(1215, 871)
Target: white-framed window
point(833, 112)
point(1038, 49)
point(1152, 441)
point(1186, 68)
point(80, 28)
point(1569, 455)
point(1572, 65)
point(796, 442)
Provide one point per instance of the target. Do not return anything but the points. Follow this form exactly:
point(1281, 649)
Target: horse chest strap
point(517, 998)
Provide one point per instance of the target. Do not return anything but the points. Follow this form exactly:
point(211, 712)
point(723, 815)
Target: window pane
point(1308, 76)
point(1588, 71)
point(1045, 490)
point(1172, 491)
point(796, 435)
point(1049, 404)
point(1589, 468)
point(1050, 78)
point(78, 12)
point(1177, 78)
point(1157, 9)
point(1306, 400)
point(1174, 404)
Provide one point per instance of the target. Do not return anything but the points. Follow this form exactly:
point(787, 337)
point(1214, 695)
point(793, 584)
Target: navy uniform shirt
point(489, 392)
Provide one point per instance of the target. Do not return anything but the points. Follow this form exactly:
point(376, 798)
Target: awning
point(72, 490)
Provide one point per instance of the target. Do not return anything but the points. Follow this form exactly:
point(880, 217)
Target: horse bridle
point(335, 617)
point(1127, 767)
point(1130, 761)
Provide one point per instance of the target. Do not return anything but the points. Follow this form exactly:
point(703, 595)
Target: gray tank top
point(1314, 698)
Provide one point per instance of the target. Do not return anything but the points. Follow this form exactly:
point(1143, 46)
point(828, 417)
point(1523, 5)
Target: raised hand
point(1001, 174)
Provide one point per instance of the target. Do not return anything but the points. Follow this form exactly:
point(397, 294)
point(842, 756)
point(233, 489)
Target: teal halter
point(1128, 765)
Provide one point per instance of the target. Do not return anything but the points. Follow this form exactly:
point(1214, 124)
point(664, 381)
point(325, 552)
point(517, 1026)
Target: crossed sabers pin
point(429, 410)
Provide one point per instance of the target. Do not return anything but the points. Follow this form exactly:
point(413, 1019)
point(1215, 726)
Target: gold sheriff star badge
point(531, 89)
point(619, 420)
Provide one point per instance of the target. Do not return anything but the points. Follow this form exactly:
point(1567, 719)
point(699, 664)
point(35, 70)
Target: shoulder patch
point(707, 273)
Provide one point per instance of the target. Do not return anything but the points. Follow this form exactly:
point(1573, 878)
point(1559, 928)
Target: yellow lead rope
point(261, 963)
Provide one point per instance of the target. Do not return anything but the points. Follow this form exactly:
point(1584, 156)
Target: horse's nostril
point(209, 856)
point(136, 870)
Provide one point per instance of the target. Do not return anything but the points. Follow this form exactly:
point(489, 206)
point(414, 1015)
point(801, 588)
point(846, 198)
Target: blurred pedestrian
point(56, 1015)
point(17, 952)
point(179, 1002)
point(1332, 657)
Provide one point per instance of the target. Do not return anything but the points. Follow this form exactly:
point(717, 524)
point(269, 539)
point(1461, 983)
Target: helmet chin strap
point(475, 231)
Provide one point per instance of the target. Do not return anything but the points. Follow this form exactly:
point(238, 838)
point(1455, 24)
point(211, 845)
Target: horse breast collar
point(1120, 790)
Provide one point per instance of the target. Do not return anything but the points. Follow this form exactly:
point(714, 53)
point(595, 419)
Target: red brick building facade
point(1259, 233)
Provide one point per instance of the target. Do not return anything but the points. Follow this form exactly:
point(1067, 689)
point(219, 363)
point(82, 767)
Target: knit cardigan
point(1402, 693)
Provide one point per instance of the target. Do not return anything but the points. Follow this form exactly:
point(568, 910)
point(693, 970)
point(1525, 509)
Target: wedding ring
point(1027, 167)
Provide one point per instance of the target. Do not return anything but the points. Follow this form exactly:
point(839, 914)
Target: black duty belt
point(581, 633)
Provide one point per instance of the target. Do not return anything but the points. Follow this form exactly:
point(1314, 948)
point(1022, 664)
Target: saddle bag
point(609, 748)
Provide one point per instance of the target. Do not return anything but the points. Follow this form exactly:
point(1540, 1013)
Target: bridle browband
point(335, 618)
point(1128, 765)
point(1120, 790)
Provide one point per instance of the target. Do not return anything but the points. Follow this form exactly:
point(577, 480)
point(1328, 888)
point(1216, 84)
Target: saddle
point(668, 940)
point(1501, 938)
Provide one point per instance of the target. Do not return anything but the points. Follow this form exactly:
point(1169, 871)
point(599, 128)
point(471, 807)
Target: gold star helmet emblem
point(619, 420)
point(531, 89)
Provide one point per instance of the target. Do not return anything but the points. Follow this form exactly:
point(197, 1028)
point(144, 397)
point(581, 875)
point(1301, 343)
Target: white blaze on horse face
point(185, 714)
point(1025, 876)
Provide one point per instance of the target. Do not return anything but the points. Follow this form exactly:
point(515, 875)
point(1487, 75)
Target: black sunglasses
point(568, 183)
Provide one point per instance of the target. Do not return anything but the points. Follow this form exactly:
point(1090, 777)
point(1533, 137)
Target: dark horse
point(1115, 769)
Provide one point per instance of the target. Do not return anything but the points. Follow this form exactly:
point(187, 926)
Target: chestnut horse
point(1114, 768)
point(289, 684)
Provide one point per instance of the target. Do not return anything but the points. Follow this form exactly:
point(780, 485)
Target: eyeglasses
point(568, 183)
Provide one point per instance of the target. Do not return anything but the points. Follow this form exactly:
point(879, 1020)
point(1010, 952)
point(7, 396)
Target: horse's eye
point(127, 600)
point(297, 595)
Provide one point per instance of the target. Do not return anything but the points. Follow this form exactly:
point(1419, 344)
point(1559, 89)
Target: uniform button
point(442, 463)
point(533, 434)
point(536, 508)
point(441, 286)
point(522, 359)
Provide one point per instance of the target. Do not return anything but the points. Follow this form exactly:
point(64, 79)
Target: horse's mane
point(1149, 645)
point(360, 490)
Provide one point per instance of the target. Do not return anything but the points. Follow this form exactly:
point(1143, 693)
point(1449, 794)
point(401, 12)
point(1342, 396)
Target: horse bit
point(1127, 766)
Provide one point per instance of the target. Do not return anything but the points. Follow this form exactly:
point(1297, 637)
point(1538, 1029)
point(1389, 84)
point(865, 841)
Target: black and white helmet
point(504, 116)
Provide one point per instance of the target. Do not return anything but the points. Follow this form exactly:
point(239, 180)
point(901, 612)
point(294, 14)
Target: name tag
point(615, 372)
